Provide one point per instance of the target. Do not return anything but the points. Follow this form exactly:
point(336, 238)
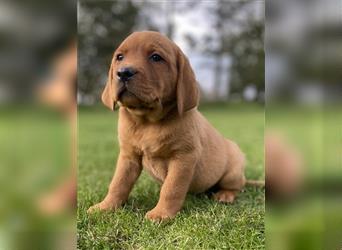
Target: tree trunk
point(217, 75)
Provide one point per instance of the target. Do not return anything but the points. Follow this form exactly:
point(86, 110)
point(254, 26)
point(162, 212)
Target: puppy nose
point(126, 73)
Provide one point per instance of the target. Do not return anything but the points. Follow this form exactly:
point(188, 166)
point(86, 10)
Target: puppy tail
point(255, 183)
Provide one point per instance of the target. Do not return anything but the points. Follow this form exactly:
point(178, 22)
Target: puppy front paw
point(102, 206)
point(157, 215)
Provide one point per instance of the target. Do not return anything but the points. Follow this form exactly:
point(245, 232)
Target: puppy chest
point(156, 167)
point(156, 149)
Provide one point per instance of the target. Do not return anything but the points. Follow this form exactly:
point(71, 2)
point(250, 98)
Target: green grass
point(202, 224)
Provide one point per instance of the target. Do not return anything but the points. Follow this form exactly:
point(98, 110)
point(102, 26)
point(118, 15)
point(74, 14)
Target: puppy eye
point(156, 58)
point(119, 57)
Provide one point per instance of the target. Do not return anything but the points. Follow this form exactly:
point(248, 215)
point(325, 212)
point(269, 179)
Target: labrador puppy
point(161, 130)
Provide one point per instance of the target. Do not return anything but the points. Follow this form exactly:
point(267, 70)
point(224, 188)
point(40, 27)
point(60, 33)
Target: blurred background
point(37, 106)
point(303, 124)
point(222, 39)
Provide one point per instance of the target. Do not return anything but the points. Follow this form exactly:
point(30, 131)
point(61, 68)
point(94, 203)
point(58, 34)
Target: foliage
point(102, 27)
point(248, 58)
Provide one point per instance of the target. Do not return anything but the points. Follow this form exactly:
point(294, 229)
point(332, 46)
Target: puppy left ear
point(187, 87)
point(108, 92)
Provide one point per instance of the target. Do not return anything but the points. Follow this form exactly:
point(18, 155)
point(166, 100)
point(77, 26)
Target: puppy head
point(147, 71)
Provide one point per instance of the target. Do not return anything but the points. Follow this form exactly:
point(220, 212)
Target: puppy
point(161, 130)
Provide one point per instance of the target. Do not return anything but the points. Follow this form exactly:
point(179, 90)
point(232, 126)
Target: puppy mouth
point(131, 100)
point(122, 87)
point(139, 108)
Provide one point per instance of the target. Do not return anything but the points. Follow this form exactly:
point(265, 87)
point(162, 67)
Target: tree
point(238, 34)
point(248, 59)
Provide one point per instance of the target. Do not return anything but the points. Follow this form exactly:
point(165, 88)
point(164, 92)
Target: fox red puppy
point(161, 131)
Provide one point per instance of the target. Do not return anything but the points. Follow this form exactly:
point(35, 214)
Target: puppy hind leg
point(229, 187)
point(225, 196)
point(233, 180)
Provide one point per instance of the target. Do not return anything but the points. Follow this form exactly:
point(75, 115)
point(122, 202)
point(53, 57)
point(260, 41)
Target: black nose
point(126, 73)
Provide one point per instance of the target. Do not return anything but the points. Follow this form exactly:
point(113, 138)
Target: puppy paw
point(102, 206)
point(157, 215)
point(225, 196)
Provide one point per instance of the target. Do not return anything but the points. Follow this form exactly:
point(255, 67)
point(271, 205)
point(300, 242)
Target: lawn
point(202, 224)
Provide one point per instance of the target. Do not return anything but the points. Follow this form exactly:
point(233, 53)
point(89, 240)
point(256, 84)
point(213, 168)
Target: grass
point(202, 224)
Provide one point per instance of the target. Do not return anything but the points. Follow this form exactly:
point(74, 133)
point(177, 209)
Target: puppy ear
point(187, 88)
point(109, 91)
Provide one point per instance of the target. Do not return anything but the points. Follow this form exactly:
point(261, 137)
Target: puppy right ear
point(109, 91)
point(187, 87)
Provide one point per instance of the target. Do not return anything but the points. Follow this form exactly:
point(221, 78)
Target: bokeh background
point(36, 152)
point(303, 114)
